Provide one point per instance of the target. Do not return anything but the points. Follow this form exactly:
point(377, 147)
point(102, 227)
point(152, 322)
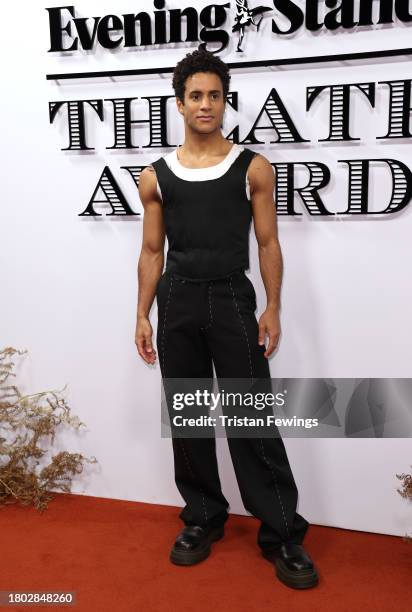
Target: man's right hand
point(143, 340)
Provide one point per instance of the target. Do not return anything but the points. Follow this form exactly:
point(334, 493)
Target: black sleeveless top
point(207, 222)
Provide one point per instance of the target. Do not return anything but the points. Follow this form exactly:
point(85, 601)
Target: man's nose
point(205, 102)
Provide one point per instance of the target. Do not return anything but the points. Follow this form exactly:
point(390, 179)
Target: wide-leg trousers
point(201, 324)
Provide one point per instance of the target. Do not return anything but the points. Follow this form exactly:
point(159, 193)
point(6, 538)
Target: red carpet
point(114, 554)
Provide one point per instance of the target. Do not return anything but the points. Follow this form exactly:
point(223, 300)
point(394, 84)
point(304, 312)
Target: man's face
point(204, 104)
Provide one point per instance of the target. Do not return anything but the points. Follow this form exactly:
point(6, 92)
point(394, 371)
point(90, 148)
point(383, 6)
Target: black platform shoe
point(193, 544)
point(294, 567)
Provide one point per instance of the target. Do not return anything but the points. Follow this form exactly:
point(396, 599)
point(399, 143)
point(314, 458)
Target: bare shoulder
point(148, 174)
point(261, 175)
point(148, 185)
point(260, 170)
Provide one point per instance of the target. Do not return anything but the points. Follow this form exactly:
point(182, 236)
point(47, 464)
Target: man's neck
point(203, 146)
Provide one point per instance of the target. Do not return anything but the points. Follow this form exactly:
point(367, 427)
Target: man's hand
point(143, 340)
point(269, 323)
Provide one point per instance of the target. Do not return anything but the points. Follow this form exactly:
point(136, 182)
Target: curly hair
point(199, 61)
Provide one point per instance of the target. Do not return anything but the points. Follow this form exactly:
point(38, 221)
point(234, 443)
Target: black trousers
point(200, 323)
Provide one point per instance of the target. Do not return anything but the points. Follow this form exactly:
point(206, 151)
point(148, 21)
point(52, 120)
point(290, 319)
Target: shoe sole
point(179, 557)
point(302, 579)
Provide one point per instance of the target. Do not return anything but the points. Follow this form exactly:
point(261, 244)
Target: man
point(202, 196)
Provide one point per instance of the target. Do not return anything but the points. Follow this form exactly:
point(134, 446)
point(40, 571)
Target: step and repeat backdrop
point(323, 90)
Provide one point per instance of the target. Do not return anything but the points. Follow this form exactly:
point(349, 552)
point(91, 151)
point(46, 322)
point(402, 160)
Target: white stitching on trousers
point(210, 309)
point(276, 485)
point(164, 374)
point(244, 328)
point(164, 325)
point(261, 440)
point(193, 476)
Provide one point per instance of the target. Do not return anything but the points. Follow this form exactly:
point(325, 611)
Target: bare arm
point(150, 265)
point(262, 184)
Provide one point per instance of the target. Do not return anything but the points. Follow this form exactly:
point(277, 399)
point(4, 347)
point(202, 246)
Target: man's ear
point(179, 105)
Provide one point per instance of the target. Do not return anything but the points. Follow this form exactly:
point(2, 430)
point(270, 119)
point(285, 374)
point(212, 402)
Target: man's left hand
point(269, 323)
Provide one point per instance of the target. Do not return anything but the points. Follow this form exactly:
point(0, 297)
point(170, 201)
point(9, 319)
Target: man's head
point(201, 84)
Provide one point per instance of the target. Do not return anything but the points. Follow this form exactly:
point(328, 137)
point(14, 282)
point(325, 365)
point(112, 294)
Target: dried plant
point(26, 420)
point(406, 492)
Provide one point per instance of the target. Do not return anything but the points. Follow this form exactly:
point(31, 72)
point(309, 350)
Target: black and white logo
point(246, 17)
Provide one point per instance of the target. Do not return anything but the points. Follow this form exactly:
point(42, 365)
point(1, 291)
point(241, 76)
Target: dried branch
point(406, 493)
point(26, 420)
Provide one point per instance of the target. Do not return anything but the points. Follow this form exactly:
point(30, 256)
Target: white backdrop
point(70, 284)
